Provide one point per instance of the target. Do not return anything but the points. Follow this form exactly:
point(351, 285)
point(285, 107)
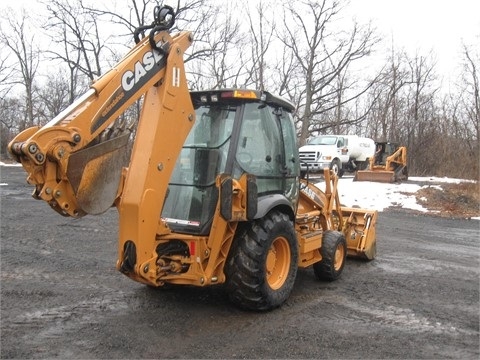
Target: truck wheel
point(334, 254)
point(262, 264)
point(336, 167)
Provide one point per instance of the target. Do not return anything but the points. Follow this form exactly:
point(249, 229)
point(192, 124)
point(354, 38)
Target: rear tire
point(262, 265)
point(334, 254)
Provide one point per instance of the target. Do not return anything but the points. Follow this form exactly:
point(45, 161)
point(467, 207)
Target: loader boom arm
point(399, 157)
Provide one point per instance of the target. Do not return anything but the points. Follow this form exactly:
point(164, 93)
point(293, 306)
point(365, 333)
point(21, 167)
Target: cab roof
point(219, 95)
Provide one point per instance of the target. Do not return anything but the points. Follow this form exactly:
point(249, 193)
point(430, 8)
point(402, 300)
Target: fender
point(268, 202)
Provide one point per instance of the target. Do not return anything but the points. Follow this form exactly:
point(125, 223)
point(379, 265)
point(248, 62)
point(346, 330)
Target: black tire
point(334, 254)
point(401, 174)
point(363, 165)
point(262, 264)
point(336, 167)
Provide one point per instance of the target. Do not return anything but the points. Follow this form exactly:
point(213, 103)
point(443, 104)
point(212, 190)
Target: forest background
point(342, 74)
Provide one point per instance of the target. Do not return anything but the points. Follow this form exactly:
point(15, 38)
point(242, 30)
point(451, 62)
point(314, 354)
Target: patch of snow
point(380, 196)
point(376, 195)
point(438, 179)
point(8, 164)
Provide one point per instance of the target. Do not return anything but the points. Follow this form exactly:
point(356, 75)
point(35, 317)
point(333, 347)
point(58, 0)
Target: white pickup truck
point(339, 153)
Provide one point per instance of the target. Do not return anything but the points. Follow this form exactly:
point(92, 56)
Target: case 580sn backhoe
point(211, 193)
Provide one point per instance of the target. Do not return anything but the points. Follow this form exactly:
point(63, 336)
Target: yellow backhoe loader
point(211, 193)
point(388, 165)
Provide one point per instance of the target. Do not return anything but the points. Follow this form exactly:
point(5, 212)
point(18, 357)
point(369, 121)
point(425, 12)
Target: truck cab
point(324, 152)
point(338, 153)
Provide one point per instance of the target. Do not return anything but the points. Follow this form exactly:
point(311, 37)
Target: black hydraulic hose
point(164, 16)
point(140, 30)
point(164, 19)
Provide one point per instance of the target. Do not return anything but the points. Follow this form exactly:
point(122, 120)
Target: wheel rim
point(278, 263)
point(335, 168)
point(339, 257)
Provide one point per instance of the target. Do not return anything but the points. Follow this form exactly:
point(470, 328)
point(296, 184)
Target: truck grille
point(308, 156)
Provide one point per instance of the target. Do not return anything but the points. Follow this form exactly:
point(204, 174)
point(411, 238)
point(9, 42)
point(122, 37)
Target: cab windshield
point(323, 140)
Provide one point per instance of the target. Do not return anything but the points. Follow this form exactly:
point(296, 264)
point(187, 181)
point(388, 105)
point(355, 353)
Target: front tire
point(334, 255)
point(336, 167)
point(262, 265)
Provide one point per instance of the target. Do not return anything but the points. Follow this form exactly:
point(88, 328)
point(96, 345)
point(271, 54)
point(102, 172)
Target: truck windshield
point(323, 140)
point(192, 195)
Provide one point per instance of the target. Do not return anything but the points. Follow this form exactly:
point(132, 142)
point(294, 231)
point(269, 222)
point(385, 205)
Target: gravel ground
point(61, 296)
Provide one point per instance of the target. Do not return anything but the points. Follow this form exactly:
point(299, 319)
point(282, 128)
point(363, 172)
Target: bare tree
point(193, 15)
point(6, 74)
point(53, 97)
point(216, 56)
point(122, 17)
point(419, 120)
point(386, 97)
point(11, 121)
point(470, 114)
point(262, 31)
point(321, 55)
point(471, 78)
point(16, 36)
point(78, 41)
point(214, 31)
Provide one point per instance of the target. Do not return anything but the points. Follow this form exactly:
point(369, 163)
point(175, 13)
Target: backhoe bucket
point(360, 232)
point(95, 173)
point(376, 175)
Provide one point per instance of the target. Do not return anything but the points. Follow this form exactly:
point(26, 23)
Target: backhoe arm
point(70, 162)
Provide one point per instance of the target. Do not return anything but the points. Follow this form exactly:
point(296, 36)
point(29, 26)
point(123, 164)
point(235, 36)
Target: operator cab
point(235, 132)
point(384, 150)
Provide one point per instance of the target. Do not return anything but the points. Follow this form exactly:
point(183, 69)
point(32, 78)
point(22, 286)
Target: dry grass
point(453, 200)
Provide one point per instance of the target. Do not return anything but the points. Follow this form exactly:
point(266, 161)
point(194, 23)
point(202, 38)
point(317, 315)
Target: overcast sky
point(424, 25)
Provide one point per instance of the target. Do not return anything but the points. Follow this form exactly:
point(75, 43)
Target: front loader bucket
point(376, 175)
point(359, 229)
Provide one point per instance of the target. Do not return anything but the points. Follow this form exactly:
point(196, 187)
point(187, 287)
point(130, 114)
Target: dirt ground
point(61, 296)
point(452, 200)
